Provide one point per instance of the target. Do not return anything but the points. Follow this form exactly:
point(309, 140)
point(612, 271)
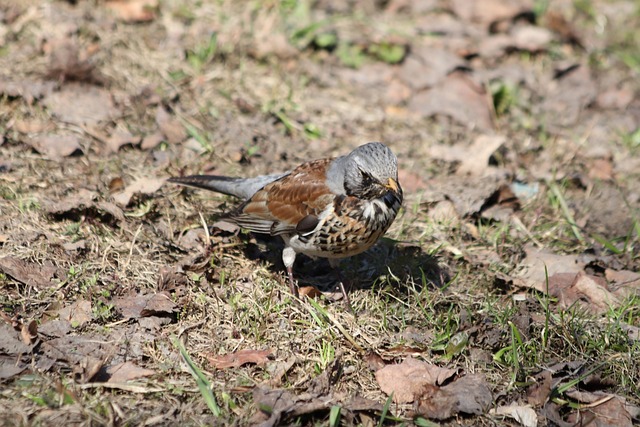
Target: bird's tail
point(242, 188)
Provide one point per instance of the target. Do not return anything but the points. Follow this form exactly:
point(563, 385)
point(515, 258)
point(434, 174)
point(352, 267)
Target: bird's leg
point(288, 257)
point(341, 281)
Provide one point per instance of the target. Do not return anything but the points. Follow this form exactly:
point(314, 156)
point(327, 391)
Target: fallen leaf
point(152, 140)
point(525, 415)
point(426, 66)
point(539, 392)
point(605, 409)
point(77, 314)
point(119, 139)
point(483, 147)
point(126, 371)
point(10, 342)
point(488, 11)
point(309, 292)
point(458, 97)
point(468, 395)
point(532, 269)
point(81, 104)
point(29, 273)
point(274, 406)
point(9, 368)
point(374, 361)
point(68, 63)
point(132, 11)
point(84, 203)
point(239, 358)
point(30, 90)
point(56, 147)
point(29, 332)
point(530, 38)
point(408, 379)
point(141, 186)
point(171, 127)
point(145, 305)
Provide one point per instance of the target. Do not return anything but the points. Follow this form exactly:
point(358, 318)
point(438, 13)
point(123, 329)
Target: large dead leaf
point(133, 10)
point(10, 342)
point(525, 415)
point(84, 203)
point(239, 358)
point(568, 281)
point(30, 90)
point(408, 379)
point(468, 395)
point(9, 368)
point(81, 104)
point(458, 97)
point(29, 273)
point(483, 147)
point(568, 94)
point(77, 314)
point(170, 126)
point(144, 305)
point(141, 186)
point(126, 371)
point(428, 65)
point(488, 11)
point(68, 63)
point(54, 146)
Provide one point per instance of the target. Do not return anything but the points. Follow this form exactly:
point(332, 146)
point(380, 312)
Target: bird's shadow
point(397, 262)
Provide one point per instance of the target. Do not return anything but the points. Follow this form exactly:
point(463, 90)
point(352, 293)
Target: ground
point(505, 293)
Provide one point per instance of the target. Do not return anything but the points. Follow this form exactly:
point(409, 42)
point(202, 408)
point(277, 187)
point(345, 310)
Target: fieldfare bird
point(330, 208)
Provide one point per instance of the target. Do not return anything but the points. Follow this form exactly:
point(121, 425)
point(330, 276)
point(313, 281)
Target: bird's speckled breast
point(350, 227)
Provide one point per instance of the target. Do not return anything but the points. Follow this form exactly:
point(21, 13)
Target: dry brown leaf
point(141, 186)
point(239, 358)
point(127, 371)
point(408, 379)
point(81, 104)
point(605, 409)
point(152, 140)
point(84, 203)
point(374, 361)
point(482, 148)
point(134, 10)
point(530, 38)
point(539, 392)
point(309, 292)
point(10, 342)
point(77, 314)
point(9, 368)
point(427, 66)
point(29, 332)
point(525, 415)
point(30, 90)
point(171, 127)
point(68, 63)
point(56, 147)
point(31, 274)
point(119, 139)
point(458, 97)
point(468, 395)
point(532, 268)
point(141, 305)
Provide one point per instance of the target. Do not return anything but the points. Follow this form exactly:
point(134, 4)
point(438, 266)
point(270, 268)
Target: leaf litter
point(487, 108)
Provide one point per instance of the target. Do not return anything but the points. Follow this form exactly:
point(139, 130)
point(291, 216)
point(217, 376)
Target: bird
point(330, 208)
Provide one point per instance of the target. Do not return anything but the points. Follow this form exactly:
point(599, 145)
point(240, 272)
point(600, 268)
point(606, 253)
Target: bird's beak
point(392, 185)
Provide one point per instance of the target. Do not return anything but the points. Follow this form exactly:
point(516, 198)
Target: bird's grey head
point(368, 172)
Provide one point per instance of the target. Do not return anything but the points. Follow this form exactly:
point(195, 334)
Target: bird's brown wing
point(281, 206)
